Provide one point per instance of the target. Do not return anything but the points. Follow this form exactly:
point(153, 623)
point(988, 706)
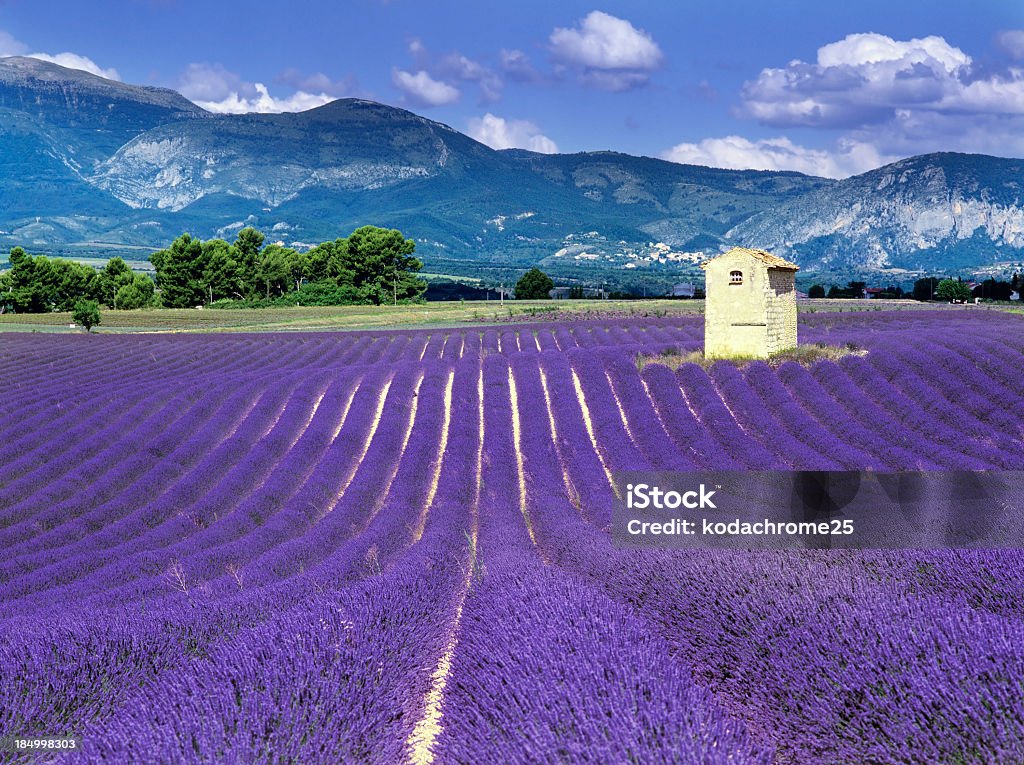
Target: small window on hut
point(735, 277)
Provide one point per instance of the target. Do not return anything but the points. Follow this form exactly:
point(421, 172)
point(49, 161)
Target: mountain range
point(94, 166)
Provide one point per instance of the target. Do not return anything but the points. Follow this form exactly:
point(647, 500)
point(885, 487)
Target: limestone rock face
point(932, 211)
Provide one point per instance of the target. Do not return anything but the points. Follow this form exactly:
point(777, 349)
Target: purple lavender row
point(911, 451)
point(395, 349)
point(343, 513)
point(226, 546)
point(821, 651)
point(916, 402)
point(584, 466)
point(90, 370)
point(751, 414)
point(155, 512)
point(131, 485)
point(284, 537)
point(987, 580)
point(986, 398)
point(396, 522)
point(716, 417)
point(385, 538)
point(508, 343)
point(499, 475)
point(85, 440)
point(691, 439)
point(993, 357)
point(564, 338)
point(416, 347)
point(503, 703)
point(645, 424)
point(795, 419)
point(960, 383)
point(474, 344)
point(189, 548)
point(47, 403)
point(831, 414)
point(545, 474)
point(363, 533)
point(278, 511)
point(434, 346)
point(38, 435)
point(594, 686)
point(545, 339)
point(450, 513)
point(78, 485)
point(323, 676)
point(619, 450)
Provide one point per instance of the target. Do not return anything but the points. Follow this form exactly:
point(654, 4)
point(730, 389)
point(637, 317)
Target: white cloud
point(1012, 41)
point(870, 48)
point(735, 152)
point(459, 67)
point(603, 41)
point(901, 97)
point(9, 46)
point(219, 90)
point(209, 82)
point(265, 103)
point(318, 82)
point(516, 65)
point(437, 79)
point(499, 133)
point(423, 89)
point(866, 79)
point(417, 48)
point(74, 61)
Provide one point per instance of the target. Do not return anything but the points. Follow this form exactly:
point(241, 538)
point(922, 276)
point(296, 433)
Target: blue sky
point(831, 89)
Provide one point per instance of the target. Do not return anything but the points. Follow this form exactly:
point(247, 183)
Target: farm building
point(751, 304)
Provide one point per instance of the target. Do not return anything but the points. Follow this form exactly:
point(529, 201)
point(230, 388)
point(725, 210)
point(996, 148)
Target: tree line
point(38, 284)
point(930, 288)
point(370, 266)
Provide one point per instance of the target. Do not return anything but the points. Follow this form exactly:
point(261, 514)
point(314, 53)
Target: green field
point(301, 318)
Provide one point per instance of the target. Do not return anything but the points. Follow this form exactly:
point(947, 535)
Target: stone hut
point(751, 304)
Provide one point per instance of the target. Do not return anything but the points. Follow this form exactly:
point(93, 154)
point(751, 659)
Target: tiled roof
point(767, 258)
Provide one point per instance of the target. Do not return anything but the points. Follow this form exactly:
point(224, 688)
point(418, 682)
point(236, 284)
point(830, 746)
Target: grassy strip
point(802, 354)
point(439, 314)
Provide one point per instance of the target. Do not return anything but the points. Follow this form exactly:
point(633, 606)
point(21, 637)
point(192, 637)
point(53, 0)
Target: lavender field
point(394, 547)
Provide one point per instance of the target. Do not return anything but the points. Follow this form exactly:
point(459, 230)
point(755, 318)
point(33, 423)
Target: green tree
point(274, 268)
point(138, 293)
point(534, 285)
point(39, 284)
point(86, 313)
point(179, 273)
point(816, 291)
point(115, 274)
point(953, 290)
point(323, 262)
point(924, 289)
point(993, 289)
point(378, 263)
point(248, 244)
point(222, 276)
